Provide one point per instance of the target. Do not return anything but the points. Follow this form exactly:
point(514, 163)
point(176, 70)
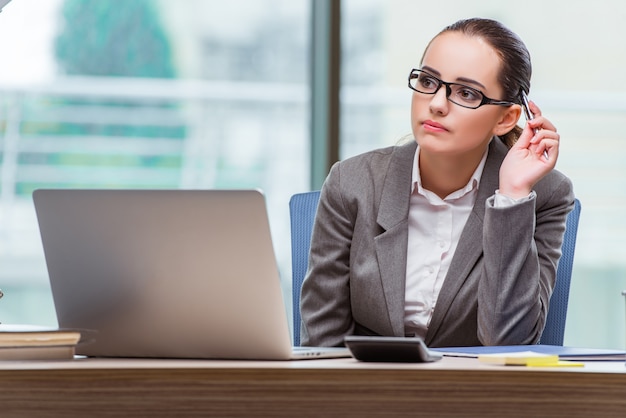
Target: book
point(526, 358)
point(27, 342)
point(563, 352)
point(49, 352)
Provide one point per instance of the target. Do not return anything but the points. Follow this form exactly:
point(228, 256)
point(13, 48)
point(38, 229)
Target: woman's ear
point(508, 120)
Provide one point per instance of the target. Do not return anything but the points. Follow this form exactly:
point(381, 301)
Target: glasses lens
point(465, 96)
point(424, 82)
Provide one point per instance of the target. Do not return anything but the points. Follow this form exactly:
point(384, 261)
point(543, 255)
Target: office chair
point(302, 208)
point(554, 330)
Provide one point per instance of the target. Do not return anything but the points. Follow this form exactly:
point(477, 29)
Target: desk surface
point(342, 387)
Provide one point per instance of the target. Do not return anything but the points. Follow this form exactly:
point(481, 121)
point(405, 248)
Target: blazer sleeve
point(325, 296)
point(522, 247)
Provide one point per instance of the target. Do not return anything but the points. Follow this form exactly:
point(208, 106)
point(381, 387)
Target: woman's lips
point(433, 126)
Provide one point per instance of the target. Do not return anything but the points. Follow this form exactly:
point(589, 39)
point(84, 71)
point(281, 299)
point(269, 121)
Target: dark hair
point(515, 71)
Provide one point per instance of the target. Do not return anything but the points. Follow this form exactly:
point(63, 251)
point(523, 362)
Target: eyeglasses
point(459, 94)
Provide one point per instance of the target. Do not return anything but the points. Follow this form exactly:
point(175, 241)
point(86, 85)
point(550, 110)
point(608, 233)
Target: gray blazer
point(498, 285)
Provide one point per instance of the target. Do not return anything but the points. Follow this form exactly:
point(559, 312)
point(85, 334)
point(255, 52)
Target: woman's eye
point(468, 94)
point(427, 82)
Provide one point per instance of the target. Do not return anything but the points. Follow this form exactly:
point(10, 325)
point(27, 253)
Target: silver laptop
point(3, 3)
point(167, 273)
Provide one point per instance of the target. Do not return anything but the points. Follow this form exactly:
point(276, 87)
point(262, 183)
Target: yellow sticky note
point(559, 363)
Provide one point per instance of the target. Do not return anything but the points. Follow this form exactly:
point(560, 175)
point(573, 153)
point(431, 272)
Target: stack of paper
point(564, 353)
point(29, 342)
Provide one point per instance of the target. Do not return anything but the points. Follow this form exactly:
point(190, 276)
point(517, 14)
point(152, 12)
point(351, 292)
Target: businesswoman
point(454, 237)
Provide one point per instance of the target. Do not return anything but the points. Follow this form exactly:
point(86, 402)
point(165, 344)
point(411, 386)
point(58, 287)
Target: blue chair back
point(302, 209)
point(554, 330)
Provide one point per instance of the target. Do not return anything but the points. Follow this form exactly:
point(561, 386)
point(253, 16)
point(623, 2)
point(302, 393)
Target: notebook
point(167, 274)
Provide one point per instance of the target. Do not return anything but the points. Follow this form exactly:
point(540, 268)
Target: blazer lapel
point(469, 248)
point(391, 245)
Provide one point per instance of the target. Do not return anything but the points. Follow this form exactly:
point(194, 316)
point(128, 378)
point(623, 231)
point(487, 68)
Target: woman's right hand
point(525, 163)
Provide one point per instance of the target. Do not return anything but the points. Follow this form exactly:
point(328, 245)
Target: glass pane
point(190, 94)
point(577, 81)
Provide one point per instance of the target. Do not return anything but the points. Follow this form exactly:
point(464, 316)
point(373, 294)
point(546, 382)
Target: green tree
point(104, 38)
point(113, 38)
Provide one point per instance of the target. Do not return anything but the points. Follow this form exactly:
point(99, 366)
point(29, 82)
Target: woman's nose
point(439, 101)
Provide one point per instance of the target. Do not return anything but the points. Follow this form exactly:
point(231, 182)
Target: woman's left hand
point(533, 156)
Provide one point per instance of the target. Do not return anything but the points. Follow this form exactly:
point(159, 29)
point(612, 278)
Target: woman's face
point(440, 126)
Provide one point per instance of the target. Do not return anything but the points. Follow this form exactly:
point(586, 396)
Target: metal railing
point(143, 133)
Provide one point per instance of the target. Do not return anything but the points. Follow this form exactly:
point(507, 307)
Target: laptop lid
point(165, 273)
point(3, 3)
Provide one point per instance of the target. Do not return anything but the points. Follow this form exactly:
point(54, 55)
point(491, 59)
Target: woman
point(454, 237)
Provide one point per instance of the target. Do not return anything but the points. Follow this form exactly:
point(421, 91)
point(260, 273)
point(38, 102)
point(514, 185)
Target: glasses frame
point(485, 101)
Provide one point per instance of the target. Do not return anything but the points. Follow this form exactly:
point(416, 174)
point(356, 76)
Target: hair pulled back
point(515, 71)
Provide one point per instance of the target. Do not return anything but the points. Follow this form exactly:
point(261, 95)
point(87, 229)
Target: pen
point(529, 116)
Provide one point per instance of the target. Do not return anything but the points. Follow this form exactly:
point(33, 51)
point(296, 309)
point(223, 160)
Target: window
point(229, 107)
point(201, 94)
point(577, 81)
